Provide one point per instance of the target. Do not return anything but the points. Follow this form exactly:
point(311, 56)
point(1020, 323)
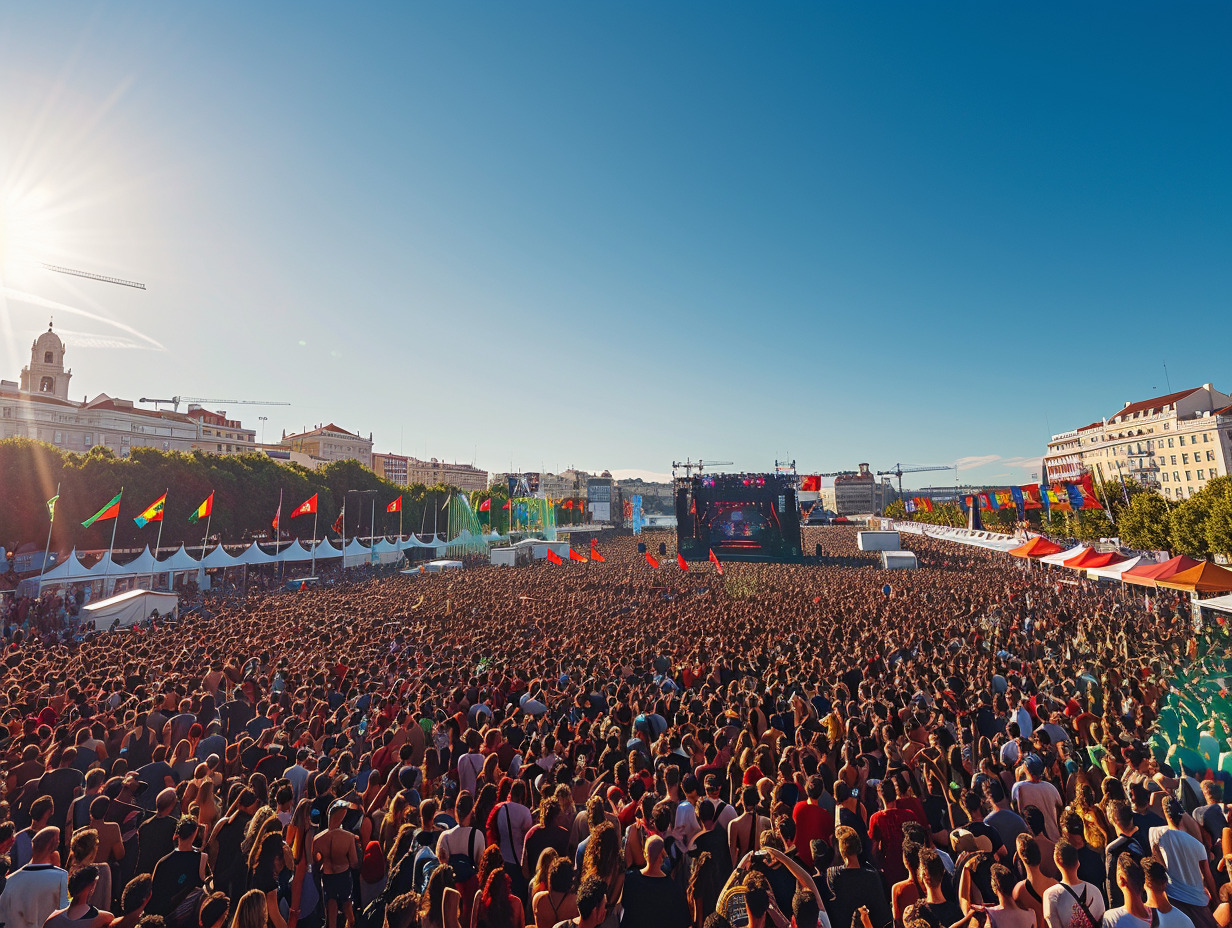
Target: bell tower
point(46, 374)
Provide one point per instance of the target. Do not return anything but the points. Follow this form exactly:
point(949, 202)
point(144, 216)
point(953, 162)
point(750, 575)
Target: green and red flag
point(203, 511)
point(152, 513)
point(110, 511)
point(51, 507)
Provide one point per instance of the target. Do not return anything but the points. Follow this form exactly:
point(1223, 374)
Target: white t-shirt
point(1174, 918)
point(1121, 917)
point(1044, 796)
point(1061, 909)
point(469, 766)
point(461, 839)
point(1183, 855)
point(32, 894)
point(517, 815)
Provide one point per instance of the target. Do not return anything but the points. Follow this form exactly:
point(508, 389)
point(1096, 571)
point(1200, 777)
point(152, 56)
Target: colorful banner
point(638, 519)
point(1031, 496)
point(810, 484)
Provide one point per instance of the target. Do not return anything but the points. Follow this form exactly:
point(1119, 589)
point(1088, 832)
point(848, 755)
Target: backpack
point(425, 862)
point(464, 864)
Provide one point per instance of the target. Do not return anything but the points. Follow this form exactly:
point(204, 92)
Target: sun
point(28, 234)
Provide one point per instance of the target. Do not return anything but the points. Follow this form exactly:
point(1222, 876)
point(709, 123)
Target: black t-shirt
point(1091, 867)
point(1132, 845)
point(60, 785)
point(939, 914)
point(174, 876)
point(156, 840)
point(852, 887)
point(658, 901)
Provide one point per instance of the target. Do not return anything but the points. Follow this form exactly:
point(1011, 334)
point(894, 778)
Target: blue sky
point(610, 235)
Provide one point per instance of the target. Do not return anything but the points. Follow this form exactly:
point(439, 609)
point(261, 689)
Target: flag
point(203, 511)
point(506, 506)
point(985, 502)
point(810, 484)
point(154, 513)
point(1031, 496)
point(485, 506)
point(1074, 492)
point(51, 507)
point(554, 557)
point(567, 504)
point(277, 513)
point(911, 505)
point(715, 561)
point(574, 556)
point(594, 553)
point(926, 503)
point(110, 511)
point(1087, 488)
point(396, 505)
point(1055, 498)
point(307, 508)
point(681, 562)
point(1002, 498)
point(340, 521)
point(651, 560)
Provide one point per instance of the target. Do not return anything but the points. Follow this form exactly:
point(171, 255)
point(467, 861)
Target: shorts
point(336, 887)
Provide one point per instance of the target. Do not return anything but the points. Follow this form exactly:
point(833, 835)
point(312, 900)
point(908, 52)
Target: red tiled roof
point(1157, 403)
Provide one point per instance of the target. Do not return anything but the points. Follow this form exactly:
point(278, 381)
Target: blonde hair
point(251, 911)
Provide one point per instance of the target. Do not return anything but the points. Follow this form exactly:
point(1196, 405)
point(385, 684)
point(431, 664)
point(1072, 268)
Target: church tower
point(46, 374)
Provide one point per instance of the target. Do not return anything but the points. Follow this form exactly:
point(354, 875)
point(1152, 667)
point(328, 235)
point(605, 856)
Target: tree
point(1145, 524)
point(1092, 525)
point(1188, 526)
point(1219, 519)
point(896, 510)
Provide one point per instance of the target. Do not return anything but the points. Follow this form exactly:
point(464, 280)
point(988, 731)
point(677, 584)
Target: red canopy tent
point(1148, 574)
point(1205, 578)
point(1092, 558)
point(1039, 546)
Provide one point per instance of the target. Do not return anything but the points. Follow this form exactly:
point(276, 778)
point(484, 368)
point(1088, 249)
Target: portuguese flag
point(203, 511)
point(110, 511)
point(152, 513)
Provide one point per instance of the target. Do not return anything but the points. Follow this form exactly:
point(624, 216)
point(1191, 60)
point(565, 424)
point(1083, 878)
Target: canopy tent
point(1092, 558)
point(130, 608)
point(326, 550)
point(385, 546)
point(1039, 546)
point(295, 553)
point(179, 561)
point(69, 569)
point(219, 558)
point(1207, 577)
point(1222, 603)
point(1148, 574)
point(1059, 559)
point(255, 554)
point(356, 549)
point(1114, 571)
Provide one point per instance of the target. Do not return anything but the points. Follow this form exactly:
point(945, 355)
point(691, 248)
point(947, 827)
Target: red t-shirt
point(886, 830)
point(812, 821)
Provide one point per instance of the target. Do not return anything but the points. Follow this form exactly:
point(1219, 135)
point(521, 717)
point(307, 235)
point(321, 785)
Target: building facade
point(433, 473)
point(330, 443)
point(391, 467)
point(220, 435)
point(38, 407)
point(1174, 444)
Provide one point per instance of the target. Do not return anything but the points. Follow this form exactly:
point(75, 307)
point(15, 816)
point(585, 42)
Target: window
point(1210, 455)
point(1169, 442)
point(220, 449)
point(1184, 458)
point(47, 385)
point(59, 437)
point(49, 358)
point(89, 439)
point(1176, 476)
point(1200, 477)
point(166, 446)
point(1164, 475)
point(1187, 476)
point(1182, 441)
point(1174, 459)
point(1206, 436)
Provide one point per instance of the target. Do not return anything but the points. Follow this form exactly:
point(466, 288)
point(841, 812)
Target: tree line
point(1200, 526)
point(246, 492)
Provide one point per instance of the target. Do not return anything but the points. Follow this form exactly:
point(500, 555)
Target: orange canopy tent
point(1039, 546)
point(1148, 574)
point(1092, 558)
point(1205, 578)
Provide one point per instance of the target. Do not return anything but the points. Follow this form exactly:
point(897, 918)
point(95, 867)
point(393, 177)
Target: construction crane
point(688, 466)
point(176, 400)
point(72, 272)
point(900, 469)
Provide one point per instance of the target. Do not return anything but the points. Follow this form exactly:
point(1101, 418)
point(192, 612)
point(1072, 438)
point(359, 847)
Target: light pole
point(263, 419)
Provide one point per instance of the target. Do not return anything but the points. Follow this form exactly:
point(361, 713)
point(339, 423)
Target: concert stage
point(741, 517)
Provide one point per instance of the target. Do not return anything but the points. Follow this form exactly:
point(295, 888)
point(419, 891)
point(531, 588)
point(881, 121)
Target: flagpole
point(159, 541)
point(47, 548)
point(314, 540)
point(114, 523)
point(206, 540)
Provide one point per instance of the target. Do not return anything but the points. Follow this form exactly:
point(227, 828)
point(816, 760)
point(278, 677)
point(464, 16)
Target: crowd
point(611, 745)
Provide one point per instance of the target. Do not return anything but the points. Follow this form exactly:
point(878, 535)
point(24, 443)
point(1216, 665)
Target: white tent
point(218, 558)
point(1222, 603)
point(68, 570)
point(178, 562)
point(356, 549)
point(438, 566)
point(326, 550)
point(385, 546)
point(255, 554)
point(130, 608)
point(1113, 571)
point(142, 565)
point(1059, 559)
point(295, 554)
